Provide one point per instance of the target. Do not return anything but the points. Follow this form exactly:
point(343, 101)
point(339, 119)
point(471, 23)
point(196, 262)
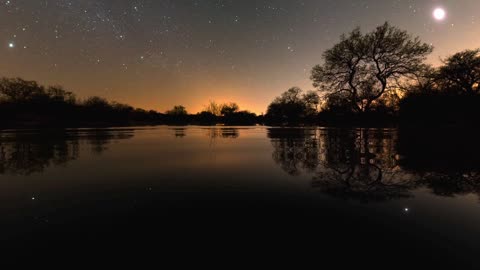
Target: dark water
point(357, 195)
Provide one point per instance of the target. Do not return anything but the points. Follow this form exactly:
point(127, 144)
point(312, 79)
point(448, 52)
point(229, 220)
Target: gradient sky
point(157, 53)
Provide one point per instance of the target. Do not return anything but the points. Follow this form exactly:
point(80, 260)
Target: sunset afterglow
point(154, 54)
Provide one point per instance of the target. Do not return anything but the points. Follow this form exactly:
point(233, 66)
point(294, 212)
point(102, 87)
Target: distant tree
point(461, 72)
point(289, 107)
point(213, 108)
point(425, 81)
point(206, 118)
point(292, 95)
point(17, 90)
point(362, 67)
point(25, 102)
point(229, 108)
point(125, 108)
point(60, 95)
point(178, 110)
point(96, 102)
point(312, 101)
point(336, 104)
point(240, 118)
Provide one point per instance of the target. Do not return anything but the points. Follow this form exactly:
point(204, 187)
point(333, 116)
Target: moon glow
point(439, 14)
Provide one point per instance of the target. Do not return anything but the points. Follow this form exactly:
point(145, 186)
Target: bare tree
point(362, 67)
point(213, 108)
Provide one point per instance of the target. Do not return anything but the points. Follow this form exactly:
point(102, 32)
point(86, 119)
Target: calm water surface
point(403, 194)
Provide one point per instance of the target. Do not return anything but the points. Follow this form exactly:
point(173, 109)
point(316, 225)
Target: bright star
point(11, 45)
point(439, 14)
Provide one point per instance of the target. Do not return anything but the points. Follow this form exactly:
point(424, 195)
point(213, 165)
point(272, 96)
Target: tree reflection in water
point(295, 149)
point(222, 132)
point(361, 164)
point(27, 152)
point(445, 160)
point(179, 132)
point(364, 164)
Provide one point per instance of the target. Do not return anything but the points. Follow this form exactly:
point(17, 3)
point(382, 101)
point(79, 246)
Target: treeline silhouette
point(28, 104)
point(378, 78)
point(212, 114)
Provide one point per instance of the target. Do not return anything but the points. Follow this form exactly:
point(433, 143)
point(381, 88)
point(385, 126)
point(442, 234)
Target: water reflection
point(446, 161)
point(295, 149)
point(377, 164)
point(26, 152)
point(210, 132)
point(223, 132)
point(360, 164)
point(179, 132)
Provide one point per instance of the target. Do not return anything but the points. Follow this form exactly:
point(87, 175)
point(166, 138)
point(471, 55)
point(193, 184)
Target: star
point(11, 45)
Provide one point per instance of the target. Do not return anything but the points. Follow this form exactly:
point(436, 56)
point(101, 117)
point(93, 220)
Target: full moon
point(439, 14)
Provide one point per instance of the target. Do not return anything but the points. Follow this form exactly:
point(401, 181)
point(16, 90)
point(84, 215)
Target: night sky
point(158, 53)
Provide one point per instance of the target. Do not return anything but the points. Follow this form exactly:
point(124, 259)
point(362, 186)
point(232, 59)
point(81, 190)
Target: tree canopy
point(177, 110)
point(293, 105)
point(461, 72)
point(229, 108)
point(362, 67)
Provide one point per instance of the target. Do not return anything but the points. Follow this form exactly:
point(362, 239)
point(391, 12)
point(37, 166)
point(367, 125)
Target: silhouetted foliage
point(373, 79)
point(26, 103)
point(213, 108)
point(227, 113)
point(177, 115)
point(292, 107)
point(240, 118)
point(361, 68)
point(440, 108)
point(59, 95)
point(229, 108)
point(312, 102)
point(446, 96)
point(178, 110)
point(461, 72)
point(20, 91)
point(206, 118)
